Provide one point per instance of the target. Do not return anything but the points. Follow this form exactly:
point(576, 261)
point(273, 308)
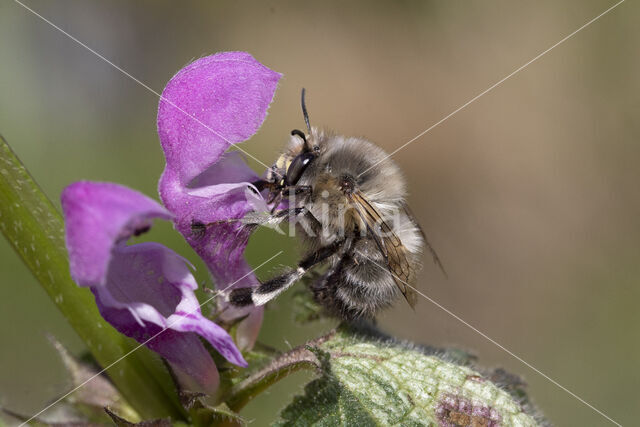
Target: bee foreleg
point(198, 228)
point(274, 287)
point(273, 219)
point(262, 184)
point(287, 192)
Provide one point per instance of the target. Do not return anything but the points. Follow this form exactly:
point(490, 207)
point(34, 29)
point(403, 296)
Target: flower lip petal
point(210, 104)
point(155, 286)
point(217, 337)
point(183, 350)
point(148, 277)
point(99, 215)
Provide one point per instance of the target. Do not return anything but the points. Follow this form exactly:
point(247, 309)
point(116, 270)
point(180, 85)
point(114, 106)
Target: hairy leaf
point(367, 381)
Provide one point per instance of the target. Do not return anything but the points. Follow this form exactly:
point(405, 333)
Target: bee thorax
point(347, 184)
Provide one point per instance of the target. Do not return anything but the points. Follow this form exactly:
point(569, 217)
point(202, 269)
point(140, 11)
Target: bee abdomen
point(357, 288)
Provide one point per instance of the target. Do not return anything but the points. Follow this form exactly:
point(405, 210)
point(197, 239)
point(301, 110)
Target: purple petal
point(184, 351)
point(210, 104)
point(214, 187)
point(218, 337)
point(249, 328)
point(140, 289)
point(222, 247)
point(150, 288)
point(97, 216)
point(226, 97)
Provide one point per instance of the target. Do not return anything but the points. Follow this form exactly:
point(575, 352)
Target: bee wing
point(389, 244)
point(434, 255)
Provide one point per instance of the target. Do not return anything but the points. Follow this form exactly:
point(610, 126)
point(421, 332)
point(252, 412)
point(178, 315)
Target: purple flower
point(145, 288)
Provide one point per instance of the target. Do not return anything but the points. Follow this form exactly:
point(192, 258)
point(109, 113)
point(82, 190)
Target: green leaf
point(368, 381)
point(34, 228)
point(95, 392)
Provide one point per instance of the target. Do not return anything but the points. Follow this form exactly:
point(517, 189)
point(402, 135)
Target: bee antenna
point(299, 133)
point(304, 111)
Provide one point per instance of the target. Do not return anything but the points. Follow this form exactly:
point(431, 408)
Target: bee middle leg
point(270, 289)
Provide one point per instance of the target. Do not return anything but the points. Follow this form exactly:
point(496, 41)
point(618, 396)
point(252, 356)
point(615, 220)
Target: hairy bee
point(347, 200)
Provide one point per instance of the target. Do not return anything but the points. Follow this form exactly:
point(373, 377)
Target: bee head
point(294, 164)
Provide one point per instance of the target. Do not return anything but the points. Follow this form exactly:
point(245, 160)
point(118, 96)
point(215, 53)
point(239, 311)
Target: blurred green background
point(530, 194)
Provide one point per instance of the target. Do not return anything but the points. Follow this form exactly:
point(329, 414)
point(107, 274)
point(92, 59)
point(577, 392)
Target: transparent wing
point(432, 251)
point(389, 244)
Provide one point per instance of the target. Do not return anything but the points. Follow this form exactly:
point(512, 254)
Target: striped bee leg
point(270, 289)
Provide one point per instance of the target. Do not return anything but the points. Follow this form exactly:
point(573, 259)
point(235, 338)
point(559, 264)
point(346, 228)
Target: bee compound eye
point(297, 168)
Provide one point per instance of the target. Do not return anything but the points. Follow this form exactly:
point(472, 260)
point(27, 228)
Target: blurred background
point(529, 195)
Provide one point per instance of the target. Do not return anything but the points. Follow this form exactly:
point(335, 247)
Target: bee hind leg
point(272, 288)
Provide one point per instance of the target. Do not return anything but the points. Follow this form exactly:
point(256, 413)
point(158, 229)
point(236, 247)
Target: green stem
point(279, 368)
point(35, 229)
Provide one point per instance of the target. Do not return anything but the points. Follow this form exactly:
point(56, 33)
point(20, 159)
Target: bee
point(347, 199)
